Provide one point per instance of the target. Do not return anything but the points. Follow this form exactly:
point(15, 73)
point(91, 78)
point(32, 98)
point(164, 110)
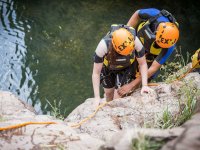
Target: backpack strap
point(118, 26)
point(166, 14)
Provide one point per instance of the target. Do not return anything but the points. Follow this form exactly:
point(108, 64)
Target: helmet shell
point(123, 41)
point(167, 34)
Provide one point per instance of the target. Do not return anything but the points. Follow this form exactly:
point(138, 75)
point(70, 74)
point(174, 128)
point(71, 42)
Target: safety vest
point(120, 62)
point(146, 31)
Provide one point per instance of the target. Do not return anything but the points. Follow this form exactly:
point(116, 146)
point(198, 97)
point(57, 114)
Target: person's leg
point(109, 93)
point(116, 95)
point(108, 83)
point(124, 78)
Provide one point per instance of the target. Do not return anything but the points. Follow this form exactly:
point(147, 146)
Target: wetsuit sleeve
point(148, 13)
point(139, 48)
point(164, 55)
point(100, 52)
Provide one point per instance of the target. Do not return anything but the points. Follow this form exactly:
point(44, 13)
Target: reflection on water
point(46, 47)
point(14, 75)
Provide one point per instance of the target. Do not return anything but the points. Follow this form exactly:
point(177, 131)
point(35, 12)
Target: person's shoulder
point(102, 43)
point(101, 49)
point(149, 11)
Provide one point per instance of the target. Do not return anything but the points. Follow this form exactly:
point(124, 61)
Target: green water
point(46, 46)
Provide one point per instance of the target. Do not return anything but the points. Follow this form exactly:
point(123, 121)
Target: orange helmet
point(123, 41)
point(167, 34)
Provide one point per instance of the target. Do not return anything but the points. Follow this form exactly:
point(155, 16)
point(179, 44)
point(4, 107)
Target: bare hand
point(125, 89)
point(96, 102)
point(146, 89)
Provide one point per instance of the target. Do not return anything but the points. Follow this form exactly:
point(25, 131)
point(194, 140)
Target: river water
point(46, 46)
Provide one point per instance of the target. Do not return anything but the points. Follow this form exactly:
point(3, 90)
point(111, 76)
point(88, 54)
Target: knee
point(109, 96)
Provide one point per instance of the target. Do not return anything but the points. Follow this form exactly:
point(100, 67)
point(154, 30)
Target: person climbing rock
point(158, 31)
point(114, 62)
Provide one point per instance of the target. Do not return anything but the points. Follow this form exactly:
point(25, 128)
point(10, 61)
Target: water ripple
point(15, 75)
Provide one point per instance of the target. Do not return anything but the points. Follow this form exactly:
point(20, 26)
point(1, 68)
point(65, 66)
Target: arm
point(151, 71)
point(140, 55)
point(135, 83)
point(143, 70)
point(96, 79)
point(100, 52)
point(134, 20)
point(157, 63)
point(142, 14)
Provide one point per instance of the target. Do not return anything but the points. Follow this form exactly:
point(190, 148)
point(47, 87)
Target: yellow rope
point(73, 126)
point(185, 74)
point(90, 116)
point(179, 78)
point(77, 125)
point(23, 124)
point(153, 84)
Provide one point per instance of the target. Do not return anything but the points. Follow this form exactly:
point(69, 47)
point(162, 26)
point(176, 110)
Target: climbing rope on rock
point(22, 125)
point(195, 64)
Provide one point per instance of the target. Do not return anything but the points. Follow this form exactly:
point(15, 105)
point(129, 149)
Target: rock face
point(114, 126)
point(123, 140)
point(53, 136)
point(190, 138)
point(131, 112)
point(125, 113)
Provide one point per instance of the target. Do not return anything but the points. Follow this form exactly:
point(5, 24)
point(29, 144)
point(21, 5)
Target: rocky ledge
point(115, 126)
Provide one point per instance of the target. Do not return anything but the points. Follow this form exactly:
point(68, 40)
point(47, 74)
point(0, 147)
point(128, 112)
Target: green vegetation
point(172, 70)
point(187, 101)
point(145, 143)
point(187, 96)
point(53, 146)
point(56, 110)
point(188, 93)
point(1, 118)
point(165, 121)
